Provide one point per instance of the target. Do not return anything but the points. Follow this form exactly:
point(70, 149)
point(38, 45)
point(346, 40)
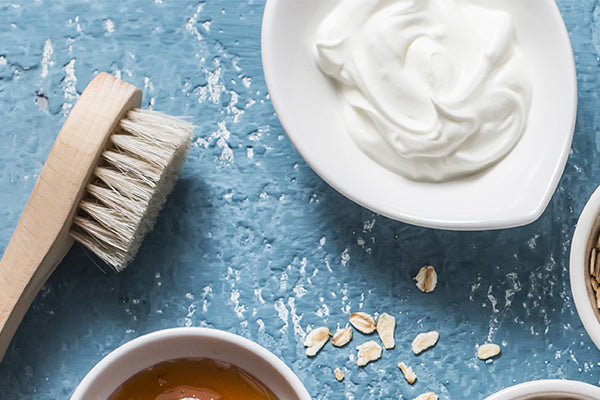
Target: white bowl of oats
point(585, 267)
point(555, 389)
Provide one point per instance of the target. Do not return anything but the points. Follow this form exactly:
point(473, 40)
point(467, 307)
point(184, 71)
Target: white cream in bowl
point(514, 191)
point(432, 90)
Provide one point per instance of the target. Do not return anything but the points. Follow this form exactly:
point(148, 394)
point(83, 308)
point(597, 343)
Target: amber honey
point(193, 378)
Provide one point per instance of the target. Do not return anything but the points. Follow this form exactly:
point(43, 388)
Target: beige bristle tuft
point(134, 177)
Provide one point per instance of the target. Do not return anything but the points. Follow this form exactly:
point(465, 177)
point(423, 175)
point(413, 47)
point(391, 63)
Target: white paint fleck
point(109, 25)
point(303, 263)
point(2, 60)
point(148, 83)
point(201, 142)
point(247, 81)
point(69, 87)
point(328, 266)
point(261, 325)
point(368, 225)
point(78, 27)
point(474, 288)
point(283, 282)
point(492, 299)
point(205, 293)
point(232, 276)
point(258, 294)
point(190, 26)
point(206, 25)
point(259, 133)
point(573, 357)
point(300, 290)
point(214, 87)
point(513, 279)
point(322, 241)
point(47, 58)
point(533, 241)
point(323, 310)
point(232, 109)
point(345, 257)
point(191, 310)
point(238, 308)
point(298, 331)
point(283, 313)
point(249, 152)
point(344, 291)
point(222, 136)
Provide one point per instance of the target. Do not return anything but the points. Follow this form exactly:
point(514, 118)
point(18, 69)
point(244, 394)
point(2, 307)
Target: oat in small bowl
point(585, 267)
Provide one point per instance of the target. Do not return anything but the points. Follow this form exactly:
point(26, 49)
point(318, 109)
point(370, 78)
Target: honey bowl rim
point(189, 342)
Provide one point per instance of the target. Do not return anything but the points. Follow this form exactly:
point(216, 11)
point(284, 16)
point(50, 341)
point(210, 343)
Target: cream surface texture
point(433, 90)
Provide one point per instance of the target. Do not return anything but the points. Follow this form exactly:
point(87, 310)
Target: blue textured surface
point(252, 241)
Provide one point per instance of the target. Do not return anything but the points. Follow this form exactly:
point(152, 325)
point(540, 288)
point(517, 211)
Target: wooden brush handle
point(41, 238)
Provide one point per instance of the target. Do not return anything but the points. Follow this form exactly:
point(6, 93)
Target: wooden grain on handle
point(41, 238)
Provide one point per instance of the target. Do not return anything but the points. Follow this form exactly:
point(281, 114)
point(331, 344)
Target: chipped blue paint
point(252, 241)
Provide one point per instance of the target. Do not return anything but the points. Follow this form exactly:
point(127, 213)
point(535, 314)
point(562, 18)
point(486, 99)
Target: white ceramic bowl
point(169, 344)
point(551, 389)
point(585, 234)
point(513, 192)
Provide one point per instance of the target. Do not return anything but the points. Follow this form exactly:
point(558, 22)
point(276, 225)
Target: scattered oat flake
point(408, 373)
point(488, 350)
point(386, 324)
point(427, 396)
point(424, 341)
point(363, 322)
point(367, 352)
point(426, 279)
point(315, 340)
point(342, 337)
point(339, 375)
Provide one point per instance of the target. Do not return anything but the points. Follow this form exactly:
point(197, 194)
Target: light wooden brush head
point(108, 174)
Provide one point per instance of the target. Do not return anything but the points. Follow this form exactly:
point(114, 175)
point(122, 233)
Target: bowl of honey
point(191, 363)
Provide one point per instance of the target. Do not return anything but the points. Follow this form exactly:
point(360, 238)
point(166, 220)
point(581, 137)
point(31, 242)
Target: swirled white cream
point(430, 89)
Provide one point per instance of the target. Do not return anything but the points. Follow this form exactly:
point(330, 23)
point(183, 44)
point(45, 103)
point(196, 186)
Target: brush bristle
point(136, 173)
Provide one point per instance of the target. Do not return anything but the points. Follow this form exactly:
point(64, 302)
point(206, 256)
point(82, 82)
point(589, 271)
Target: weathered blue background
point(252, 241)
